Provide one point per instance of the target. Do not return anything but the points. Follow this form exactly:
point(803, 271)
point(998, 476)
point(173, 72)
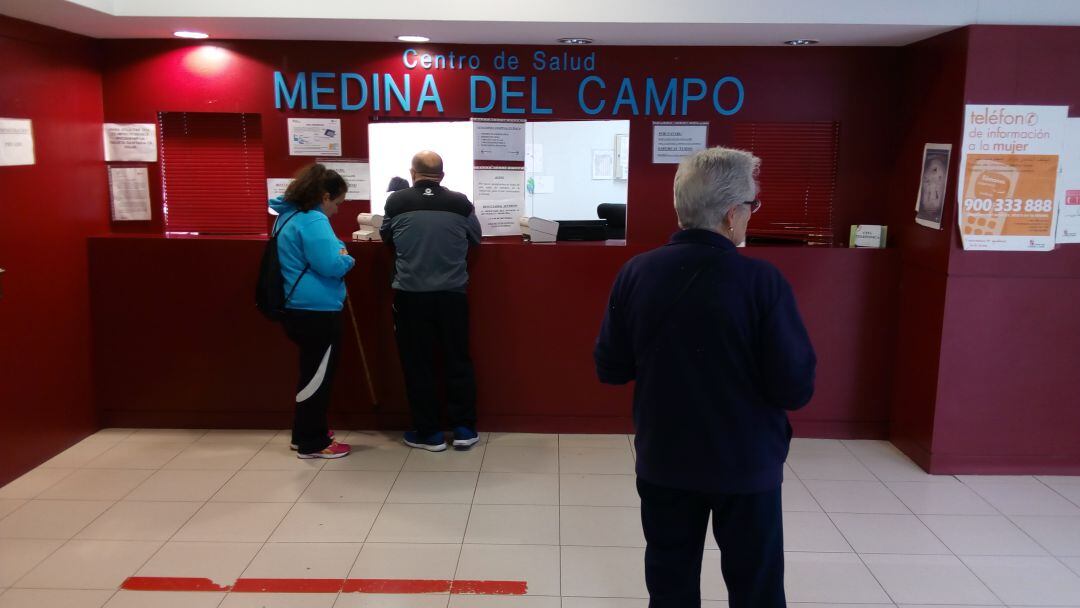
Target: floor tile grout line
point(468, 518)
point(857, 554)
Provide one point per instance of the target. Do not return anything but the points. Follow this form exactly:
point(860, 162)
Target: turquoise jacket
point(308, 241)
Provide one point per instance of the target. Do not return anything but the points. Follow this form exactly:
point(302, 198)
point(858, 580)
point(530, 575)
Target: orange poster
point(1010, 169)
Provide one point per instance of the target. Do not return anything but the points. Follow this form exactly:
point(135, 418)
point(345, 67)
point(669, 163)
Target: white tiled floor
point(864, 526)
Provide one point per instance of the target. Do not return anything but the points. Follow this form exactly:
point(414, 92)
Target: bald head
point(427, 165)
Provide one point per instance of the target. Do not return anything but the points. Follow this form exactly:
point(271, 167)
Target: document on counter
point(499, 198)
point(16, 142)
point(499, 140)
point(130, 142)
point(356, 174)
point(129, 190)
point(315, 137)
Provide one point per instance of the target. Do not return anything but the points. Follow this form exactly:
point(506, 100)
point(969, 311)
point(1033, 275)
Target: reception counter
point(178, 341)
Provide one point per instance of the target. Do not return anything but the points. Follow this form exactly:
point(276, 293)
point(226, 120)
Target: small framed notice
point(129, 190)
point(867, 236)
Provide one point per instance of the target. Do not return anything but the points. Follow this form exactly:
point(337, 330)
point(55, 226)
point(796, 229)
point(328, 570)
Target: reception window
point(213, 178)
point(798, 179)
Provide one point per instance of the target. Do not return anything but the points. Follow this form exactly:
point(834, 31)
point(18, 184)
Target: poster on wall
point(622, 156)
point(930, 203)
point(357, 175)
point(1068, 230)
point(16, 142)
point(129, 191)
point(674, 141)
point(1009, 169)
point(130, 142)
point(315, 137)
point(603, 164)
point(498, 140)
point(499, 197)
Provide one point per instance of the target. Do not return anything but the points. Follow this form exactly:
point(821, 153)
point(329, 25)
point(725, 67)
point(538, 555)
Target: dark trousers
point(749, 530)
point(318, 335)
point(423, 320)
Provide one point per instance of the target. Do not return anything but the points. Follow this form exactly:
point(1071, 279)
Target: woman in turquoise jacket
point(313, 265)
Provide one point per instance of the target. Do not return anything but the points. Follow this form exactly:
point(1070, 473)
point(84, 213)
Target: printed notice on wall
point(130, 142)
point(315, 137)
point(674, 141)
point(500, 140)
point(1068, 230)
point(499, 197)
point(275, 187)
point(16, 142)
point(129, 189)
point(356, 174)
point(1009, 169)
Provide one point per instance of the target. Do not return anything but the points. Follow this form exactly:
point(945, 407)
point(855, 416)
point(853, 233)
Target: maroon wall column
point(49, 209)
point(1007, 400)
point(932, 103)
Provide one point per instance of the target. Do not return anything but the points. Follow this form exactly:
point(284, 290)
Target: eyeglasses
point(754, 205)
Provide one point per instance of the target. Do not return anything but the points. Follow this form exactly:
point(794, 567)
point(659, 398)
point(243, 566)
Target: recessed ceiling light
point(195, 35)
point(576, 40)
point(414, 38)
point(801, 42)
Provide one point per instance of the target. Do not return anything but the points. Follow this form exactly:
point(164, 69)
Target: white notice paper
point(674, 141)
point(502, 140)
point(622, 156)
point(130, 142)
point(16, 142)
point(129, 189)
point(1068, 227)
point(315, 137)
point(275, 187)
point(499, 197)
point(603, 164)
point(357, 175)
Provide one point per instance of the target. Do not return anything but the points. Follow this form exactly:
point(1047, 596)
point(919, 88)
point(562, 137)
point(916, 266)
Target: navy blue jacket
point(716, 364)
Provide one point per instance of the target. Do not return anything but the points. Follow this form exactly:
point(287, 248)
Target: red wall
point(932, 90)
point(206, 358)
point(1007, 398)
point(535, 309)
point(49, 209)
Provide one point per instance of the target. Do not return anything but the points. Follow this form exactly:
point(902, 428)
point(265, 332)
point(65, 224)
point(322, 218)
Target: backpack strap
point(306, 266)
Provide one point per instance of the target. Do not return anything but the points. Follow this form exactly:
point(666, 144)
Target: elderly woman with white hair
point(719, 354)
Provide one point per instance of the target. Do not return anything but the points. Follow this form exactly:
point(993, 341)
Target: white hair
point(709, 183)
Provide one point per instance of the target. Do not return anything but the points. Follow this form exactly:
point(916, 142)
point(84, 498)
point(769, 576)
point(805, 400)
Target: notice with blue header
point(314, 137)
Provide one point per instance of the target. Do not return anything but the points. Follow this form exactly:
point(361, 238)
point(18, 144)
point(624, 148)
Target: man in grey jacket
point(431, 229)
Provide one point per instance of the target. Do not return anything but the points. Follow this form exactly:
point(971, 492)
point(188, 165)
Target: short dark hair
point(307, 188)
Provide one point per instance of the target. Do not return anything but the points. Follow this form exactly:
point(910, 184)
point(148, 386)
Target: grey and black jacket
point(431, 229)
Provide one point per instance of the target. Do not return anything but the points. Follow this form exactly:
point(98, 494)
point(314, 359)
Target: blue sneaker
point(465, 438)
point(432, 443)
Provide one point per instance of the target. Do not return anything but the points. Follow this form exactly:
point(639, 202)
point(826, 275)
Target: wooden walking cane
point(360, 345)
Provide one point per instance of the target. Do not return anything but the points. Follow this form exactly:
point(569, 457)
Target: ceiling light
point(414, 39)
point(194, 35)
point(801, 42)
point(576, 40)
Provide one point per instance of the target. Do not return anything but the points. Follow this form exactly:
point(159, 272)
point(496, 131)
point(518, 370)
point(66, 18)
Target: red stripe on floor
point(288, 585)
point(386, 585)
point(171, 583)
point(327, 585)
point(489, 588)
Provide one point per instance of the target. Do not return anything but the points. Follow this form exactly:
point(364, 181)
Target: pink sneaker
point(334, 450)
point(294, 447)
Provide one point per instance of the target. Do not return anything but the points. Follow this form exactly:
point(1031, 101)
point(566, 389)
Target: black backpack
point(270, 296)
